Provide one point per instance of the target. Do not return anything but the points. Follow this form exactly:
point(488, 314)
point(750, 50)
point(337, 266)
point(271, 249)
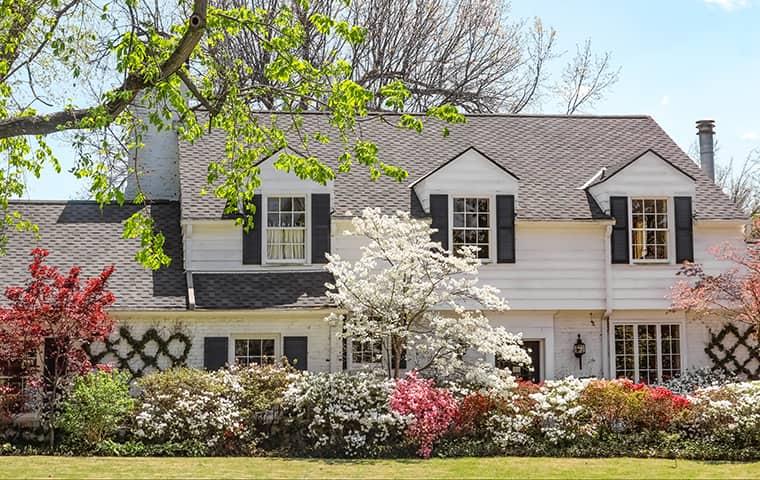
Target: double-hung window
point(649, 230)
point(249, 351)
point(286, 229)
point(647, 353)
point(471, 224)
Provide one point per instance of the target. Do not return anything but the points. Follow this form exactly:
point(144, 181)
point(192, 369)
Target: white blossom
point(406, 291)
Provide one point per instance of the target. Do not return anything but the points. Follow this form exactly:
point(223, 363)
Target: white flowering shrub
point(228, 411)
point(186, 405)
point(343, 414)
point(561, 416)
point(696, 379)
point(729, 415)
point(408, 293)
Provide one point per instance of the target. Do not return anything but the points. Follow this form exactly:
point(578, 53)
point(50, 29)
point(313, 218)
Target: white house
point(582, 223)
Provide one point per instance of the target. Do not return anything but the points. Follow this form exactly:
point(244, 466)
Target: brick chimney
point(706, 133)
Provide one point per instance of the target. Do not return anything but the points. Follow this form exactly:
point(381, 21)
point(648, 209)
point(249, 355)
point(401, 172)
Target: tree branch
point(122, 96)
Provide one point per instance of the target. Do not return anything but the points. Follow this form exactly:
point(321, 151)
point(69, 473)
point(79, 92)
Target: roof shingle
point(261, 290)
point(80, 233)
point(552, 155)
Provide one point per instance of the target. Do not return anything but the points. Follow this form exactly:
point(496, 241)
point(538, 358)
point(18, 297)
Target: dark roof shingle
point(552, 155)
point(261, 290)
point(80, 233)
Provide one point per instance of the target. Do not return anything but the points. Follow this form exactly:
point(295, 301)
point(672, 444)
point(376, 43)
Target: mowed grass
point(504, 467)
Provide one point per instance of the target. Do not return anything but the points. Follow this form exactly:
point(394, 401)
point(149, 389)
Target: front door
point(532, 373)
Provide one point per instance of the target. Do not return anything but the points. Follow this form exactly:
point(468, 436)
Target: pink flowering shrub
point(432, 409)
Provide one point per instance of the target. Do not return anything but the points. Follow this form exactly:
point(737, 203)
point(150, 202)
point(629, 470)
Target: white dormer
point(275, 181)
point(649, 175)
point(470, 172)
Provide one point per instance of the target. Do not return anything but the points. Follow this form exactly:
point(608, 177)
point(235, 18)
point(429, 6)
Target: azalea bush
point(725, 415)
point(343, 414)
point(432, 410)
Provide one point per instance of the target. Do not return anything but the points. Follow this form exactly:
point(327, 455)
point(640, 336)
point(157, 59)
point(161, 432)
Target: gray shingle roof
point(79, 233)
point(552, 156)
point(261, 290)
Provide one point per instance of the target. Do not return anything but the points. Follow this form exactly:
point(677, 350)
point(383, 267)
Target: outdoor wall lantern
point(579, 349)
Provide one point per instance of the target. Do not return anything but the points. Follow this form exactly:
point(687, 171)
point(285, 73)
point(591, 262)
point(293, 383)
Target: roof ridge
point(31, 201)
point(483, 115)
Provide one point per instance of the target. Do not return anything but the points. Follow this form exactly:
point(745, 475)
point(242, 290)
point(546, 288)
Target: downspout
point(607, 301)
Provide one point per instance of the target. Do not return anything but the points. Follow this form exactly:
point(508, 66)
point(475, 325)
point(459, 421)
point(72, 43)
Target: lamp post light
point(579, 349)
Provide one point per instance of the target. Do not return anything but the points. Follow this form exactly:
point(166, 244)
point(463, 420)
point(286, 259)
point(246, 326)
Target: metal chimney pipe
point(706, 132)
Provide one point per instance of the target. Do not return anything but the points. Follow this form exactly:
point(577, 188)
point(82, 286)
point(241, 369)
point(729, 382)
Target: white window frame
point(658, 323)
point(670, 235)
point(491, 225)
point(255, 336)
point(307, 233)
point(380, 363)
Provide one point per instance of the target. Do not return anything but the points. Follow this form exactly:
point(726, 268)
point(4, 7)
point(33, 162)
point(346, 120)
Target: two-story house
point(582, 222)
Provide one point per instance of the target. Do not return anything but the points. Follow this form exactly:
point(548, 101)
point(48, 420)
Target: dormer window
point(286, 229)
point(471, 224)
point(649, 230)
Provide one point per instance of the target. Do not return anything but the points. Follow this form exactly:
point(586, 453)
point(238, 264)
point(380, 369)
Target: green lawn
point(83, 467)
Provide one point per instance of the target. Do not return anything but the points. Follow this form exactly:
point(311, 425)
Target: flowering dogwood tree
point(734, 293)
point(408, 293)
point(54, 313)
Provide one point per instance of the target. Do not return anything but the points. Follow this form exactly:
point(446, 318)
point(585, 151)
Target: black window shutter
point(619, 240)
point(439, 211)
point(684, 230)
point(252, 238)
point(505, 228)
point(215, 352)
point(320, 227)
point(296, 350)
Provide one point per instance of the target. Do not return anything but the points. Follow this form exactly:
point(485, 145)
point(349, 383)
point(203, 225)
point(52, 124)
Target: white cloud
point(750, 135)
point(665, 100)
point(729, 5)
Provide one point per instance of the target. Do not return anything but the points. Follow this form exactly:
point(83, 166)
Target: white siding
point(472, 174)
point(648, 176)
point(560, 265)
point(647, 286)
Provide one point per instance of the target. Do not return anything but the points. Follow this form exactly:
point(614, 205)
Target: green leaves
point(208, 93)
point(151, 254)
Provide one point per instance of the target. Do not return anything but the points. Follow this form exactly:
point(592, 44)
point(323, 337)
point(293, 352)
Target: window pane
point(483, 252)
point(273, 204)
point(483, 220)
point(459, 220)
point(471, 224)
point(482, 204)
point(458, 236)
point(662, 221)
point(273, 220)
point(471, 236)
point(241, 348)
point(299, 204)
point(299, 219)
point(636, 206)
point(472, 220)
point(638, 221)
point(471, 205)
point(286, 204)
point(459, 204)
point(268, 347)
point(482, 236)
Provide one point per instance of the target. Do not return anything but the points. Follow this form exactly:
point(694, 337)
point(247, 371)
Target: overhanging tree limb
point(122, 97)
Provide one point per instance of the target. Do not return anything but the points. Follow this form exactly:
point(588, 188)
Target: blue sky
point(682, 60)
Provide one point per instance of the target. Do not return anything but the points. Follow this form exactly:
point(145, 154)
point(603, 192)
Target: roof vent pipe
point(706, 132)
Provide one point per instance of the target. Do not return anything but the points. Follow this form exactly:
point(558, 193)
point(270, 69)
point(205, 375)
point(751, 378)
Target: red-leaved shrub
point(621, 405)
point(433, 410)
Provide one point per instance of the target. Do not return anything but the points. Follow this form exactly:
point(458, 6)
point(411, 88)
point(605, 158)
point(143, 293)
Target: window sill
point(650, 262)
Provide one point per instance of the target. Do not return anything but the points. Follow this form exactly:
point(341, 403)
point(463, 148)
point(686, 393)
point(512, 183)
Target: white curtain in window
point(286, 244)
